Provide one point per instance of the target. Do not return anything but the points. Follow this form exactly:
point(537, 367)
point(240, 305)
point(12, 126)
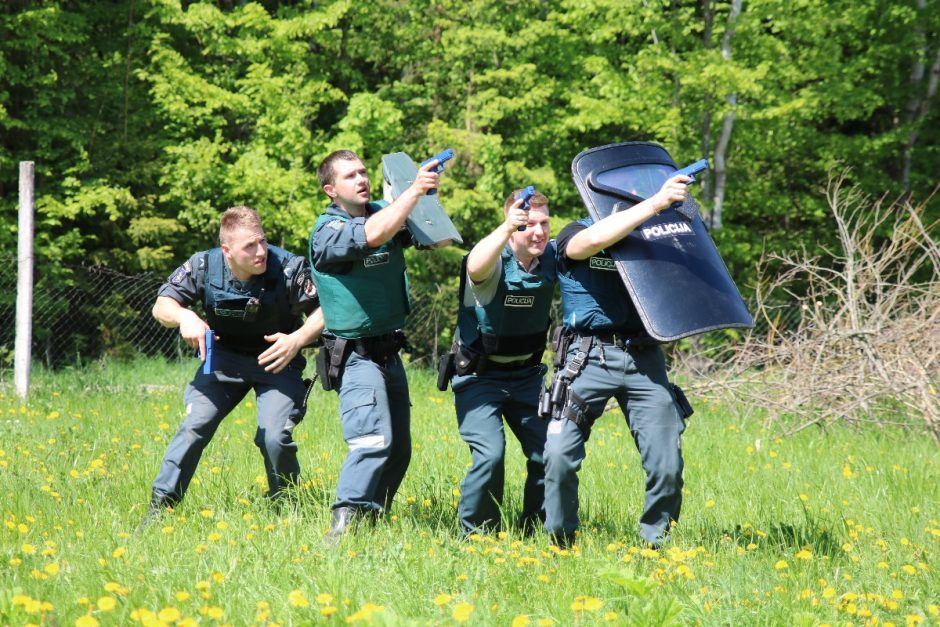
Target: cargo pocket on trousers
point(358, 413)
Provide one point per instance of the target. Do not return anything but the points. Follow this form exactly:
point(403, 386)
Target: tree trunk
point(727, 124)
point(919, 104)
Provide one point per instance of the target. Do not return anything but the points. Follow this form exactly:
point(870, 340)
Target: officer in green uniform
point(254, 297)
point(356, 253)
point(505, 300)
point(610, 355)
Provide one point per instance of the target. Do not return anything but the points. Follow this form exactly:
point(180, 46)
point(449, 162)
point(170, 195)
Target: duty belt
point(623, 340)
point(518, 364)
point(380, 347)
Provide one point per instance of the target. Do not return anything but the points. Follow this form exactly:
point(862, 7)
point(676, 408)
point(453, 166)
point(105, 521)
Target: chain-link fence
point(88, 313)
point(85, 313)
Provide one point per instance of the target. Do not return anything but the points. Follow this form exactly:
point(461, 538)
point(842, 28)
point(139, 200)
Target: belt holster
point(329, 362)
point(446, 369)
point(685, 407)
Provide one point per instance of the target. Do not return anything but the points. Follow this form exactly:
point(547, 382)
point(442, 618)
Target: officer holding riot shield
point(356, 252)
point(607, 353)
point(505, 297)
point(254, 298)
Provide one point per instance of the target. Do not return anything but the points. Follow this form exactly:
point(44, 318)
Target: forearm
point(170, 313)
point(311, 328)
point(484, 256)
point(385, 224)
point(611, 229)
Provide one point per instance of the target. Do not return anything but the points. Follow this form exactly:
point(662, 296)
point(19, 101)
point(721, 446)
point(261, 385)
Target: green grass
point(839, 527)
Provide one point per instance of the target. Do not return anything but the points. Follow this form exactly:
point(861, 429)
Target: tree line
point(146, 118)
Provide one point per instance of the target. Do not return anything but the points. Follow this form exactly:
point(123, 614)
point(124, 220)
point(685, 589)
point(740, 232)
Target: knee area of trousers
point(272, 440)
point(557, 463)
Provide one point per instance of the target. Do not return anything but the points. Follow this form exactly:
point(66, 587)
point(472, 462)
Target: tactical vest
point(371, 298)
point(225, 306)
point(521, 305)
point(593, 296)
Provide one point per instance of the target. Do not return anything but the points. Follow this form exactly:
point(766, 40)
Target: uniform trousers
point(482, 402)
point(209, 398)
point(375, 411)
point(636, 377)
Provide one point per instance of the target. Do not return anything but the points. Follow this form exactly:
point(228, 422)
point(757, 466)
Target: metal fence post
point(24, 283)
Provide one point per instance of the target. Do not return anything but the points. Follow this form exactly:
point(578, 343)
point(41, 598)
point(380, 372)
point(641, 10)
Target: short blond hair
point(538, 200)
point(236, 217)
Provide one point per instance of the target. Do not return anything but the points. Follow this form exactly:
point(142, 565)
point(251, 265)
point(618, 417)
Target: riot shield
point(669, 264)
point(428, 223)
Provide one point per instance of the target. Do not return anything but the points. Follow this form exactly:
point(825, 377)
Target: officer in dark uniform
point(356, 253)
point(255, 297)
point(505, 301)
point(610, 355)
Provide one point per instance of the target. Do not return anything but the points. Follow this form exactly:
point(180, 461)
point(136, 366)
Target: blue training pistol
point(447, 155)
point(526, 196)
point(688, 210)
point(210, 341)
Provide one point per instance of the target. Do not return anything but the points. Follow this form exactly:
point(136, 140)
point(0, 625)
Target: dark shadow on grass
point(780, 537)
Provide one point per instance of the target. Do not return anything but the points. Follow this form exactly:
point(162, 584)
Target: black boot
point(342, 520)
point(158, 505)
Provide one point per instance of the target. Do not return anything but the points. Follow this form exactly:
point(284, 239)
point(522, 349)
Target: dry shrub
point(866, 347)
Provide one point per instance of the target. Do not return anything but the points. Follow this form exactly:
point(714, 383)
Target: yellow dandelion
point(28, 549)
point(52, 569)
point(521, 620)
point(296, 598)
point(143, 615)
point(106, 604)
point(182, 596)
point(781, 565)
point(710, 503)
point(442, 599)
point(462, 612)
point(805, 554)
point(169, 615)
point(86, 621)
point(324, 598)
point(611, 616)
point(215, 612)
point(328, 610)
point(119, 552)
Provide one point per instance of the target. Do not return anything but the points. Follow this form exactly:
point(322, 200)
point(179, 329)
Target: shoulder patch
point(180, 274)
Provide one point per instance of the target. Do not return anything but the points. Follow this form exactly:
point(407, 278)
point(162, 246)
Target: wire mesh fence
point(83, 313)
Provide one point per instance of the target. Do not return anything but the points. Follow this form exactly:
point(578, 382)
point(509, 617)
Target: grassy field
point(822, 528)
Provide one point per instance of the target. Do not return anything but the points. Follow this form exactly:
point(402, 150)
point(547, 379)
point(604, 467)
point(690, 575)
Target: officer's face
point(350, 186)
point(246, 250)
point(537, 233)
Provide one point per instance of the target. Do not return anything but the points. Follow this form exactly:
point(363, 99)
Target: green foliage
point(147, 119)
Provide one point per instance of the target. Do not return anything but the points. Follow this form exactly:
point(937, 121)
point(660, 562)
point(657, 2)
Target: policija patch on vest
point(602, 263)
point(519, 301)
point(660, 231)
point(378, 259)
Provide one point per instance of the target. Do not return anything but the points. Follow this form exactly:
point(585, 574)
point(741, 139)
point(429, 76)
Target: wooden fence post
point(24, 283)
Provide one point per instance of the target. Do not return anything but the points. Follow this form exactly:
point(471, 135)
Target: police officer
point(356, 253)
point(609, 355)
point(254, 297)
point(506, 295)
